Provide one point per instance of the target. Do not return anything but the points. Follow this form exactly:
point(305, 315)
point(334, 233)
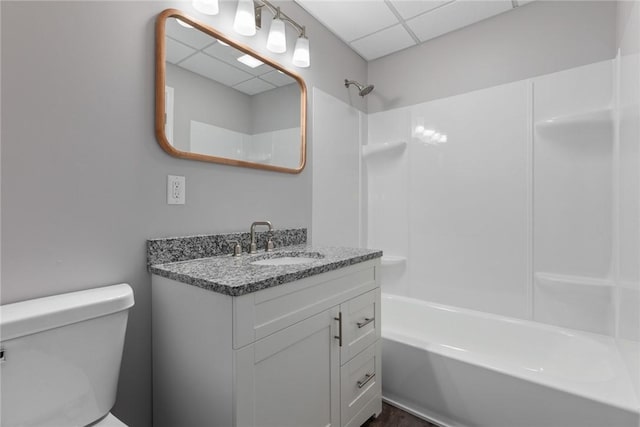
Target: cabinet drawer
point(360, 324)
point(360, 382)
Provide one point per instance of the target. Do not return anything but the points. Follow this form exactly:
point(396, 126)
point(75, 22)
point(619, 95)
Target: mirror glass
point(219, 101)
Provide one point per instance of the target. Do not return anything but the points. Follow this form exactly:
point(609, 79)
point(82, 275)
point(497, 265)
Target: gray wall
point(207, 101)
point(276, 109)
point(538, 38)
point(83, 178)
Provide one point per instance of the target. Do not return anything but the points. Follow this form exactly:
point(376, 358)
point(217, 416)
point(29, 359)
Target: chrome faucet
point(269, 245)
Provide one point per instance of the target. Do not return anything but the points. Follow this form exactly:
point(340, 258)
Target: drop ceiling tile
point(176, 51)
point(410, 8)
point(253, 86)
point(350, 20)
point(455, 15)
point(277, 78)
point(383, 43)
point(189, 36)
point(215, 70)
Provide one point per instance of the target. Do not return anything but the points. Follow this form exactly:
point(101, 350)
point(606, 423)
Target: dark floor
point(394, 417)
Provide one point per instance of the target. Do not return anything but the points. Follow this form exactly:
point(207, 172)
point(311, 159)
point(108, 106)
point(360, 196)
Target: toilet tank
point(60, 357)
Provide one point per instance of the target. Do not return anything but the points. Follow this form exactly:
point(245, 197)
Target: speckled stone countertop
point(237, 276)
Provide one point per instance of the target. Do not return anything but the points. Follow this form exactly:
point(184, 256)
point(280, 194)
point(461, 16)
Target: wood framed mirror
point(211, 106)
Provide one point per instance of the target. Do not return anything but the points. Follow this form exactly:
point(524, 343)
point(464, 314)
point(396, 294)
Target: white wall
point(627, 179)
point(386, 177)
point(83, 178)
point(336, 172)
point(465, 201)
point(573, 182)
point(512, 214)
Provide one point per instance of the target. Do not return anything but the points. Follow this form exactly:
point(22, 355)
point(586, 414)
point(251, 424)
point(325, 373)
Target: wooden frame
point(160, 106)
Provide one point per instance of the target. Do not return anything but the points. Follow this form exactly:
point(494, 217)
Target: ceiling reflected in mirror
point(199, 53)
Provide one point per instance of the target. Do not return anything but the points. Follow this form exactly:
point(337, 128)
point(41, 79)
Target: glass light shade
point(208, 7)
point(277, 40)
point(301, 53)
point(245, 20)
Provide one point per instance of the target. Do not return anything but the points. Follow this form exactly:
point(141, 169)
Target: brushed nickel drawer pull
point(366, 379)
point(367, 320)
point(339, 336)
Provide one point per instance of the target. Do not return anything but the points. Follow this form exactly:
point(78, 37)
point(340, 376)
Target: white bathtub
point(460, 367)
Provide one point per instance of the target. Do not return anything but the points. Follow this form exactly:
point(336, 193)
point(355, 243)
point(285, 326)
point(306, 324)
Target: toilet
point(60, 358)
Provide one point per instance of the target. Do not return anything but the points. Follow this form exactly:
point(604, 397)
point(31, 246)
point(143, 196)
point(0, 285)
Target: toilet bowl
point(60, 358)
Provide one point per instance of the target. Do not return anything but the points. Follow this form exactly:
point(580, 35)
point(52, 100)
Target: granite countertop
point(236, 276)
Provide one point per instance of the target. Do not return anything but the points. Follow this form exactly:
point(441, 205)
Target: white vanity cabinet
point(300, 354)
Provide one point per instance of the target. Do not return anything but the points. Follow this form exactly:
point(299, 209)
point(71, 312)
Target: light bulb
point(245, 20)
point(277, 40)
point(208, 7)
point(301, 53)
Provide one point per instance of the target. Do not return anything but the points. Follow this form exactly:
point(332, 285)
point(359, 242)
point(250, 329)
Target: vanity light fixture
point(277, 40)
point(301, 52)
point(249, 16)
point(208, 7)
point(245, 20)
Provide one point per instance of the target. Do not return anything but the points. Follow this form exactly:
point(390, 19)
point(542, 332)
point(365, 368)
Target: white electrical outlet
point(175, 190)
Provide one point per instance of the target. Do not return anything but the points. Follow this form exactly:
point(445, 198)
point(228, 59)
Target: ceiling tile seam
point(193, 53)
point(196, 52)
point(430, 10)
point(415, 38)
point(375, 32)
point(188, 45)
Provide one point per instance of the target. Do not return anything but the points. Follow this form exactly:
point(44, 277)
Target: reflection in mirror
point(219, 101)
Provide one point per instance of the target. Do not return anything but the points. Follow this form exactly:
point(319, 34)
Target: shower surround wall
point(514, 214)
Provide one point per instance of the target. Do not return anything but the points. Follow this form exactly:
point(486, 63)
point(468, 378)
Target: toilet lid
point(109, 421)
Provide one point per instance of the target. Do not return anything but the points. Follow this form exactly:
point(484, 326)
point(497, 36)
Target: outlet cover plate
point(176, 186)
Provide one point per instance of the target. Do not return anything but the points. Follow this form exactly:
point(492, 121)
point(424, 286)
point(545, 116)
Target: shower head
point(362, 90)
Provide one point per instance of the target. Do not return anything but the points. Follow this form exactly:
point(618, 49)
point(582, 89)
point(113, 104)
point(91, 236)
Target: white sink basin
point(285, 260)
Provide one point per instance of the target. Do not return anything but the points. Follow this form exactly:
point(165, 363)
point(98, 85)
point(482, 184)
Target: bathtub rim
point(631, 403)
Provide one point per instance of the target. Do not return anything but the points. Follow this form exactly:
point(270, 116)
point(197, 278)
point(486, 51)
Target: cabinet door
point(292, 377)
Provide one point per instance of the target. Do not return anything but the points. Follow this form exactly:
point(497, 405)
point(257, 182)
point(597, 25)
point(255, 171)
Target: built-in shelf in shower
point(391, 260)
point(591, 121)
point(386, 147)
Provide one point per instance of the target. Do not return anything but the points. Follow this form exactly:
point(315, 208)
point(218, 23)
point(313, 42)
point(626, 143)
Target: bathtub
point(459, 367)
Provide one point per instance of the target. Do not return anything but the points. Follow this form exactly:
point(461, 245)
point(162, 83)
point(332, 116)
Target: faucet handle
point(237, 249)
point(269, 245)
